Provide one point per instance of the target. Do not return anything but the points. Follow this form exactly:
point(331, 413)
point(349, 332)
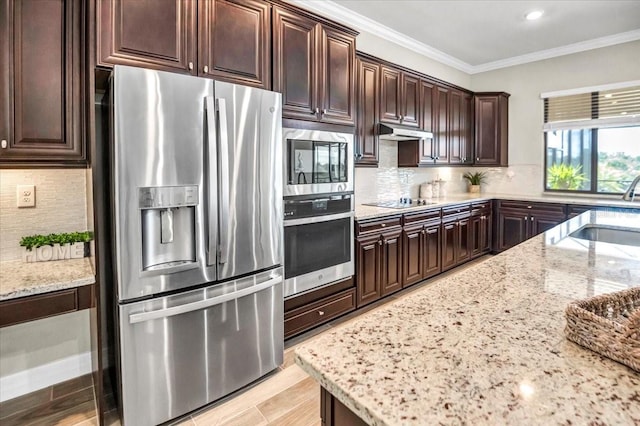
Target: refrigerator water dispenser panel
point(168, 227)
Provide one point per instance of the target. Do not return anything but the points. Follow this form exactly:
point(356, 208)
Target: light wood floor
point(286, 397)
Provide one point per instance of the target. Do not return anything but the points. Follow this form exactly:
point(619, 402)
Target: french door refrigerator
point(197, 223)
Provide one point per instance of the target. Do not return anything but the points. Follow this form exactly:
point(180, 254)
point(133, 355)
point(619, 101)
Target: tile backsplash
point(60, 206)
point(389, 182)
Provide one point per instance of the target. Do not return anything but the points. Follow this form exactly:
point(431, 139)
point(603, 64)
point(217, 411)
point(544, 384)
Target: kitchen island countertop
point(486, 345)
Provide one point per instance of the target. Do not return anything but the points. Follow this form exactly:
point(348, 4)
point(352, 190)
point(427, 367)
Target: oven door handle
point(317, 219)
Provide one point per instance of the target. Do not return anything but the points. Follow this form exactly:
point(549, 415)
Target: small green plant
point(565, 176)
point(475, 178)
point(35, 241)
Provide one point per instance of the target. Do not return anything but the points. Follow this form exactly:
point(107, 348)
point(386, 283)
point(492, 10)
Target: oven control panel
point(310, 206)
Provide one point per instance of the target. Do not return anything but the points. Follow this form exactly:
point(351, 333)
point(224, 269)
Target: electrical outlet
point(26, 195)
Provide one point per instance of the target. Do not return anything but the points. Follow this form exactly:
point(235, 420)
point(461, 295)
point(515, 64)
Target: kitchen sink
point(608, 234)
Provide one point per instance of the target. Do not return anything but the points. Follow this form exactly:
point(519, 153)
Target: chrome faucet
point(630, 194)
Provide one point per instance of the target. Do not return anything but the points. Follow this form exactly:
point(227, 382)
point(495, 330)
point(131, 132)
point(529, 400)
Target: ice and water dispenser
point(168, 227)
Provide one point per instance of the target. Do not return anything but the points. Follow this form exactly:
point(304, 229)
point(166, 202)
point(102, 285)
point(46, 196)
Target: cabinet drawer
point(480, 208)
point(309, 316)
point(541, 207)
point(426, 215)
point(454, 212)
point(373, 225)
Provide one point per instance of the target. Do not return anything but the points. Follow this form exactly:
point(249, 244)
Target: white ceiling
point(476, 35)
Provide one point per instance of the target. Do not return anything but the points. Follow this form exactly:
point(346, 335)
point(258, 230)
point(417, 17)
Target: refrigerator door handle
point(224, 181)
point(203, 304)
point(211, 161)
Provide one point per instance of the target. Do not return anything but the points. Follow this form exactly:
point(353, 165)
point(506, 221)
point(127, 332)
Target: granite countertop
point(19, 279)
point(486, 345)
point(370, 212)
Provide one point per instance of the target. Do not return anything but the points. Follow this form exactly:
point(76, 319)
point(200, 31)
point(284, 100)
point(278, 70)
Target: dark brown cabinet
point(226, 39)
point(41, 81)
point(491, 129)
point(399, 97)
point(234, 41)
point(368, 91)
point(378, 259)
point(147, 33)
point(420, 246)
point(456, 236)
point(313, 68)
point(518, 221)
point(480, 227)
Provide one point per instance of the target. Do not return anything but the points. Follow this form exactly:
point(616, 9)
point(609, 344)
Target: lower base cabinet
point(304, 312)
point(517, 221)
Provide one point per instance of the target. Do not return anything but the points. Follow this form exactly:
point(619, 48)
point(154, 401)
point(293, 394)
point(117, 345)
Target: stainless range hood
point(395, 133)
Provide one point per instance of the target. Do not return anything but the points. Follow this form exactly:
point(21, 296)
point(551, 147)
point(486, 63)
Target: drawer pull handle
point(321, 313)
point(4, 143)
point(528, 207)
point(383, 225)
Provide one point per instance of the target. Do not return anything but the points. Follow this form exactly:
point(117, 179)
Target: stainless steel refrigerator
point(197, 223)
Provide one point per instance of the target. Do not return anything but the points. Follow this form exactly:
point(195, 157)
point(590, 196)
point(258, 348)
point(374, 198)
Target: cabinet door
point(391, 262)
point(390, 95)
point(368, 260)
point(487, 233)
point(413, 253)
point(368, 90)
point(466, 129)
point(450, 244)
point(410, 98)
point(454, 126)
point(476, 227)
point(441, 134)
point(463, 246)
point(337, 79)
point(512, 228)
point(147, 33)
point(235, 41)
point(432, 250)
point(40, 81)
point(294, 64)
point(541, 223)
point(491, 113)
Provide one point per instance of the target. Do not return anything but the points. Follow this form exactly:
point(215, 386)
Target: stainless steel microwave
point(317, 162)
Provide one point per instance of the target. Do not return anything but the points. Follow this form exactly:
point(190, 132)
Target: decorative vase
point(474, 189)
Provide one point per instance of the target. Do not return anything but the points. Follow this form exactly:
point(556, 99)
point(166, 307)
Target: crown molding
point(559, 51)
point(355, 20)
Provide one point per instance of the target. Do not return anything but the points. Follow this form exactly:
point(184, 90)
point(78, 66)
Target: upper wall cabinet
point(399, 97)
point(491, 129)
point(41, 109)
point(368, 92)
point(225, 39)
point(313, 68)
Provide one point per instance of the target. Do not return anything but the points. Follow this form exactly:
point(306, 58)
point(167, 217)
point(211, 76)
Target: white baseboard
point(39, 377)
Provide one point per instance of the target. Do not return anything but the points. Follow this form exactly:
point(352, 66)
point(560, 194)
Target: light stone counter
point(370, 212)
point(486, 345)
point(19, 279)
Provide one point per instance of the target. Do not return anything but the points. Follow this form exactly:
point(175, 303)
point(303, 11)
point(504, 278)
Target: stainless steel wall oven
point(318, 241)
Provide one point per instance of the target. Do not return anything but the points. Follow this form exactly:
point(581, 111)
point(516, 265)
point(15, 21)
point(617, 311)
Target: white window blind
point(596, 108)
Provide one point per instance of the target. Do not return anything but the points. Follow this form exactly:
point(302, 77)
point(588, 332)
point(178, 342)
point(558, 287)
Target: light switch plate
point(26, 195)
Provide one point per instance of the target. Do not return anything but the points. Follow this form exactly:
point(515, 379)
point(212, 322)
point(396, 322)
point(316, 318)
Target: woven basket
point(608, 324)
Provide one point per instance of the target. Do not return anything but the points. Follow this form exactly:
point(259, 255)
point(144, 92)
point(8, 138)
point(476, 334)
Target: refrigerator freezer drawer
point(183, 351)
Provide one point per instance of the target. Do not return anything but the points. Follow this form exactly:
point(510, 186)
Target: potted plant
point(475, 179)
point(565, 176)
point(42, 248)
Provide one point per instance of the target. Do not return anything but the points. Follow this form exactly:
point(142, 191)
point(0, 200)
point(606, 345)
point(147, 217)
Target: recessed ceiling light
point(534, 14)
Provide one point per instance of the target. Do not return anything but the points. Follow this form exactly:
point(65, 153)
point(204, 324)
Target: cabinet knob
point(324, 111)
point(321, 313)
point(4, 143)
point(190, 65)
point(528, 207)
point(401, 117)
point(531, 218)
point(317, 110)
point(205, 69)
point(477, 158)
point(380, 242)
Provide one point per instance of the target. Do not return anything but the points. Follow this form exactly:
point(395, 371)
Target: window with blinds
point(598, 109)
point(592, 138)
